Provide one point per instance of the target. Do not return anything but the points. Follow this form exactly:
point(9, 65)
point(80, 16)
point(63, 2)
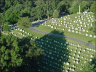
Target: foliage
point(13, 14)
point(39, 8)
point(49, 7)
point(2, 20)
point(88, 67)
point(24, 22)
point(33, 14)
point(84, 5)
point(31, 54)
point(34, 50)
point(9, 53)
point(74, 7)
point(18, 55)
point(6, 27)
point(55, 14)
point(90, 29)
point(63, 6)
point(27, 7)
point(93, 7)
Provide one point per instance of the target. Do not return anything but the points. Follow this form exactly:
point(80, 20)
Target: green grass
point(65, 32)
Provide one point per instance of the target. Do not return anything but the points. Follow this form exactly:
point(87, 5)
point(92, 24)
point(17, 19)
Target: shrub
point(90, 29)
point(55, 14)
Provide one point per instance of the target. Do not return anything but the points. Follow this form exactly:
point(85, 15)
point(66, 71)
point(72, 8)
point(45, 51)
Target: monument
point(79, 9)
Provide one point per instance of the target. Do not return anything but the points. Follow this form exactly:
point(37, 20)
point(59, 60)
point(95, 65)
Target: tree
point(24, 22)
point(89, 4)
point(2, 20)
point(6, 27)
point(31, 54)
point(19, 55)
point(10, 57)
point(33, 13)
point(13, 14)
point(55, 14)
point(93, 7)
point(85, 5)
point(27, 7)
point(39, 8)
point(74, 7)
point(88, 67)
point(61, 6)
point(49, 7)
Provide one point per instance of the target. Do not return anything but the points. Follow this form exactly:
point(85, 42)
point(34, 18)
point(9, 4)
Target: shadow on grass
point(55, 53)
point(57, 32)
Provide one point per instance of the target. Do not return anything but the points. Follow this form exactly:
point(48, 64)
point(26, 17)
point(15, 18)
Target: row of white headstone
point(67, 62)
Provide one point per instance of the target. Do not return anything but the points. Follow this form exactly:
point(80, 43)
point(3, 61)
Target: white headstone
point(76, 31)
point(94, 36)
point(90, 35)
point(72, 30)
point(67, 63)
point(63, 29)
point(51, 26)
point(86, 34)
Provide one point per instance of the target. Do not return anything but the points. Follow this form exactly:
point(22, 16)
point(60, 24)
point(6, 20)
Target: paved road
point(74, 39)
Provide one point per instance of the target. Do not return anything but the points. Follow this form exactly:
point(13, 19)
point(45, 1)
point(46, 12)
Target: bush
point(6, 28)
point(90, 29)
point(24, 22)
point(55, 14)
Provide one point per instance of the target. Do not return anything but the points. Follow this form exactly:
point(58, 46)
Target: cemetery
point(60, 54)
point(75, 25)
point(47, 36)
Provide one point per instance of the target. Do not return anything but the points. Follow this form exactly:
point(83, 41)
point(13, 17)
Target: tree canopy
point(24, 22)
point(9, 53)
point(15, 54)
point(55, 14)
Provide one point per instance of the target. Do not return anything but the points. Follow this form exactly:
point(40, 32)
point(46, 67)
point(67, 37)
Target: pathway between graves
point(74, 39)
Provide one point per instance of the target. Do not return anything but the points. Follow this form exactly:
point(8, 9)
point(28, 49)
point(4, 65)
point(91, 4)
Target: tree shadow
point(37, 23)
point(25, 14)
point(94, 62)
point(56, 53)
point(62, 14)
point(57, 32)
